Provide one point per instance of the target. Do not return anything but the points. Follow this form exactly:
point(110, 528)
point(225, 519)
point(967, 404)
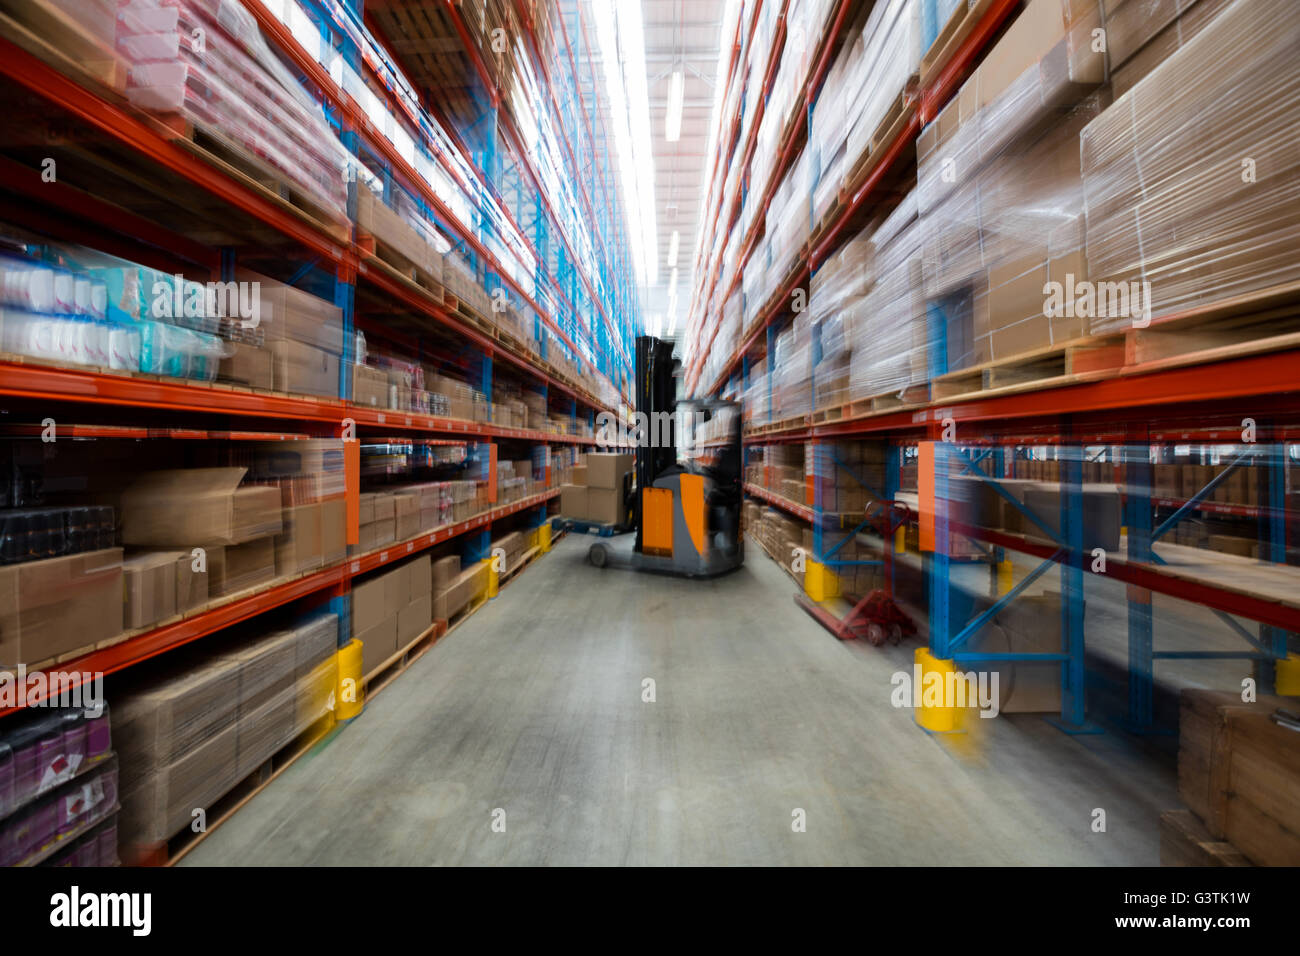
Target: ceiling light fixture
point(621, 40)
point(673, 122)
point(673, 245)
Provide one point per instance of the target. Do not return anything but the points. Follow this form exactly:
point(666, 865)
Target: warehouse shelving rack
point(511, 169)
point(1131, 409)
point(147, 156)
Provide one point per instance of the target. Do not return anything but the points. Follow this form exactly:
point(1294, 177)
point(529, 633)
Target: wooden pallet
point(57, 38)
point(391, 669)
point(1035, 369)
point(215, 148)
point(390, 257)
point(961, 23)
point(459, 618)
point(888, 130)
point(917, 394)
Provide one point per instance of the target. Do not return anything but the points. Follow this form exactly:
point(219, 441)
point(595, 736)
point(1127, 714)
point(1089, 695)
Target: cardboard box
point(419, 577)
point(445, 571)
point(605, 506)
point(149, 588)
point(301, 369)
point(334, 532)
point(51, 607)
point(369, 386)
point(384, 505)
point(241, 566)
point(414, 619)
point(191, 585)
point(366, 508)
point(579, 474)
point(287, 314)
point(467, 586)
point(391, 229)
point(197, 507)
point(607, 470)
point(406, 511)
point(573, 501)
point(250, 366)
point(298, 547)
point(378, 644)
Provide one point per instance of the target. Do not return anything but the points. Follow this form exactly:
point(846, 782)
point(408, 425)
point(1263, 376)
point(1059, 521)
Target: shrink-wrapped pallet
point(1192, 177)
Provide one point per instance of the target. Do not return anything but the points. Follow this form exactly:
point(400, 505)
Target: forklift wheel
point(597, 556)
point(875, 634)
point(895, 634)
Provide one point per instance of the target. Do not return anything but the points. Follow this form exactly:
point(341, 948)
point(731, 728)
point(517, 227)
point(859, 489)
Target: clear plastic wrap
point(188, 735)
point(1000, 192)
point(889, 333)
point(834, 300)
point(864, 84)
point(1192, 178)
point(233, 86)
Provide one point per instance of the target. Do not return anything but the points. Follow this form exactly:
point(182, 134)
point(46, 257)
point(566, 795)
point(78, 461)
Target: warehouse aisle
point(534, 706)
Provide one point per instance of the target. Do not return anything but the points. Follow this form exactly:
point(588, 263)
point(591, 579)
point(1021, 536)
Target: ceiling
point(679, 34)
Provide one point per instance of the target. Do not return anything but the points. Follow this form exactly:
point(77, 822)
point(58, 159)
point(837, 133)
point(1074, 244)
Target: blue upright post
point(1271, 478)
point(1073, 718)
point(1138, 476)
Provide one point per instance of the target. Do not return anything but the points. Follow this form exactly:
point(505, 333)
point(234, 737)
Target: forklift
point(685, 511)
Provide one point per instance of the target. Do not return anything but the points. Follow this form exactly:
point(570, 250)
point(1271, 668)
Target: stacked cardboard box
point(51, 607)
point(304, 336)
point(390, 610)
point(158, 585)
point(455, 588)
point(235, 524)
point(1238, 771)
point(596, 492)
point(1162, 165)
point(185, 736)
point(1141, 35)
point(1000, 191)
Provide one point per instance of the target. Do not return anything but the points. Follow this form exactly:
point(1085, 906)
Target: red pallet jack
point(875, 618)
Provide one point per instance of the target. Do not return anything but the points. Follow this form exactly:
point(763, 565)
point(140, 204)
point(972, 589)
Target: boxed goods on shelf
point(391, 610)
point(789, 221)
point(862, 88)
point(57, 605)
point(1000, 192)
point(233, 88)
point(460, 591)
point(1139, 43)
point(40, 753)
point(888, 334)
point(834, 295)
point(78, 35)
point(1218, 220)
point(192, 507)
point(97, 847)
point(36, 829)
point(389, 227)
point(187, 734)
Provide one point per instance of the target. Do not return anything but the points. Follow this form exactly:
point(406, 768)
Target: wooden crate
point(1184, 841)
point(1239, 771)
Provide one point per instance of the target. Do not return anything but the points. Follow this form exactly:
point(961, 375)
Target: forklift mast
point(656, 392)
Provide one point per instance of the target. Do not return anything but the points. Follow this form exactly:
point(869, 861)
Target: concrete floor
point(534, 706)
